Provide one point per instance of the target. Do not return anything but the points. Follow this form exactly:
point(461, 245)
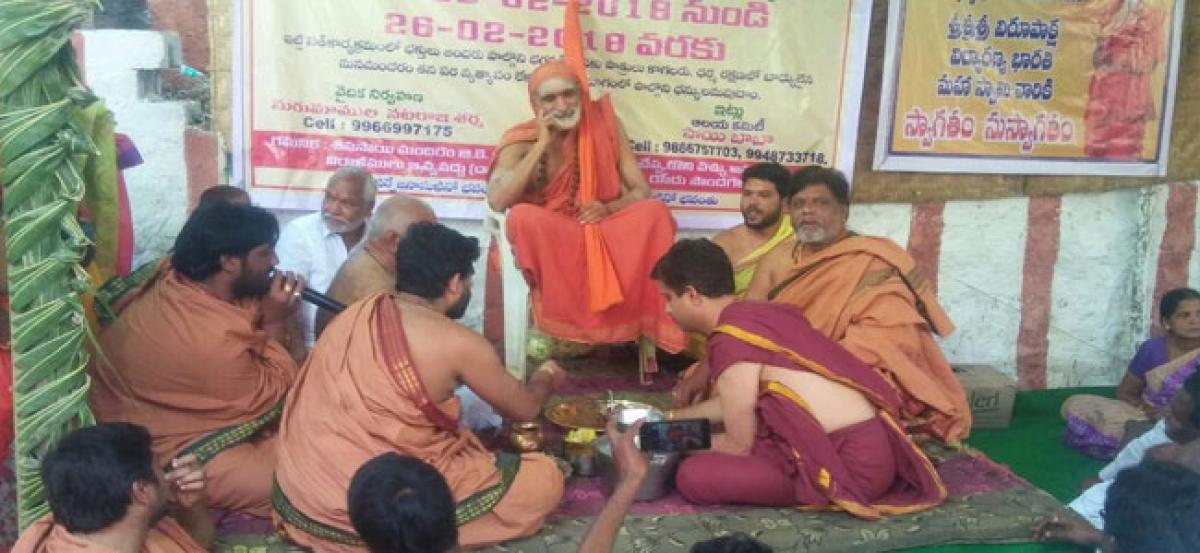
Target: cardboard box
point(989, 393)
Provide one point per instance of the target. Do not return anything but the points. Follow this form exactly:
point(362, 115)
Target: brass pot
point(526, 437)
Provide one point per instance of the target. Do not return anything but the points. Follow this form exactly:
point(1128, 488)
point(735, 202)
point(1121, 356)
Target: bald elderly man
point(371, 268)
point(371, 265)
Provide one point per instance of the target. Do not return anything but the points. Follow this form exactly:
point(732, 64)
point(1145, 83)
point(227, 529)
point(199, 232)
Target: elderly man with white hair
point(316, 245)
point(371, 266)
point(371, 269)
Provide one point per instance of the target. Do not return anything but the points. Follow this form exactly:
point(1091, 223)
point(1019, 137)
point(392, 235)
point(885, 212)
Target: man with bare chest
point(765, 222)
point(382, 379)
point(806, 423)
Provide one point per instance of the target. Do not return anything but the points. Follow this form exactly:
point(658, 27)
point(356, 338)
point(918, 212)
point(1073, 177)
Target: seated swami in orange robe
point(582, 226)
point(200, 372)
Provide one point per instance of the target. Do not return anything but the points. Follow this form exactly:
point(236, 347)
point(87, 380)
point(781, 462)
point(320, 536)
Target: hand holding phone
point(675, 435)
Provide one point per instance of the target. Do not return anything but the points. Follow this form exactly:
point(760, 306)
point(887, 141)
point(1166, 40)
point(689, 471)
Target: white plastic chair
point(516, 297)
point(517, 305)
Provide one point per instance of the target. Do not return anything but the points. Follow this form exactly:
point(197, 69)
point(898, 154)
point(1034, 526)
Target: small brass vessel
point(526, 437)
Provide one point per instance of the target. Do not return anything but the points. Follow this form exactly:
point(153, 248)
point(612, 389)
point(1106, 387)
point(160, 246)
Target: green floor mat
point(1032, 447)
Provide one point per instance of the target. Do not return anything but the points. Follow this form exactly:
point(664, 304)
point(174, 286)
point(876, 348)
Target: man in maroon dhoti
point(806, 423)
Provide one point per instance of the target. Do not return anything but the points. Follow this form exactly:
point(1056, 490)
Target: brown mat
point(995, 517)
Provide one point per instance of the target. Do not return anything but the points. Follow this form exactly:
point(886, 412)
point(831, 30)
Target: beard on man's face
point(339, 226)
point(459, 308)
point(161, 506)
point(252, 285)
point(568, 119)
point(758, 220)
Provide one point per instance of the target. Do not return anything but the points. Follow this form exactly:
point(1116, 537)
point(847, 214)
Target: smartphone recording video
point(678, 435)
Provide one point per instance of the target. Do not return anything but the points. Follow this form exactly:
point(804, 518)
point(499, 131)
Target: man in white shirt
point(1180, 425)
point(316, 245)
point(1090, 503)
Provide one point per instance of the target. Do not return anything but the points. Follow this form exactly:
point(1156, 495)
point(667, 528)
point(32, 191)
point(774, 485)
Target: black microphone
point(316, 298)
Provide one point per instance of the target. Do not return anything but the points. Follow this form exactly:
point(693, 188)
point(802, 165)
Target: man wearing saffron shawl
point(580, 220)
point(199, 359)
point(866, 293)
point(806, 423)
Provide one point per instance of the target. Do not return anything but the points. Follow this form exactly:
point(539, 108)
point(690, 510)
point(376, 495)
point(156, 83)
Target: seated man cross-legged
point(198, 357)
point(371, 269)
point(806, 423)
point(382, 379)
point(867, 294)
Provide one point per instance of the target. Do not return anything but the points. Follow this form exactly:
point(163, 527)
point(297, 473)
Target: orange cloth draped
point(551, 248)
point(866, 293)
point(618, 301)
point(186, 364)
point(359, 396)
point(44, 536)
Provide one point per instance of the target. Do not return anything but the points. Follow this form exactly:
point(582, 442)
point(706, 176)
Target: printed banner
point(1080, 87)
point(419, 92)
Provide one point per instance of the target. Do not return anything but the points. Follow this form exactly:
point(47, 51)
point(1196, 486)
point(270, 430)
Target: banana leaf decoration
point(44, 150)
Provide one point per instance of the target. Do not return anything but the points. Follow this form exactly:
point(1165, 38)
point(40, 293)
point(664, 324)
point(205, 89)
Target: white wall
point(157, 188)
point(979, 280)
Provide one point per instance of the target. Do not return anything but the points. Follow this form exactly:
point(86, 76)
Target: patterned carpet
point(988, 503)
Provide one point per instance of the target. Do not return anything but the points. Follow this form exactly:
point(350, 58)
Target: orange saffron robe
point(595, 291)
point(44, 536)
point(359, 396)
point(866, 294)
point(191, 367)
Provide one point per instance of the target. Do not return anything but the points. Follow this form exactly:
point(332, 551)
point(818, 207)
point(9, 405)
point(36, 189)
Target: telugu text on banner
point(419, 92)
point(1029, 86)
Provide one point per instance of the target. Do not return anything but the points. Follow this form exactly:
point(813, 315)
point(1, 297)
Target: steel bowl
point(626, 415)
point(660, 475)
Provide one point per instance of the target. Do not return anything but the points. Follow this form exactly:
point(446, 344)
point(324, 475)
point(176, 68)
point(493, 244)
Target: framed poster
point(1069, 87)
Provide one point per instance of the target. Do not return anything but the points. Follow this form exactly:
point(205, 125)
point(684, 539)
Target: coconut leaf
point(29, 20)
point(48, 269)
point(25, 128)
point(34, 322)
point(27, 58)
point(42, 150)
point(36, 225)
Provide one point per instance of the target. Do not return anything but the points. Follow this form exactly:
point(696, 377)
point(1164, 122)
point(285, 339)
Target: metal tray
point(588, 412)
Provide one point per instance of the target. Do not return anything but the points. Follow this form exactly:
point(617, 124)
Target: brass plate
point(586, 413)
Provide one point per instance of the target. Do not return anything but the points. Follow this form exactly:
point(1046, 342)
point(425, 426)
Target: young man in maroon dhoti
point(806, 423)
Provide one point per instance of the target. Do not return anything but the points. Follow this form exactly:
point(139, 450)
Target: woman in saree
point(1096, 425)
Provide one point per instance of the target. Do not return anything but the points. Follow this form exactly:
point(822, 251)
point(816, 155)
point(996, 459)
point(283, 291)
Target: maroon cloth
point(868, 469)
